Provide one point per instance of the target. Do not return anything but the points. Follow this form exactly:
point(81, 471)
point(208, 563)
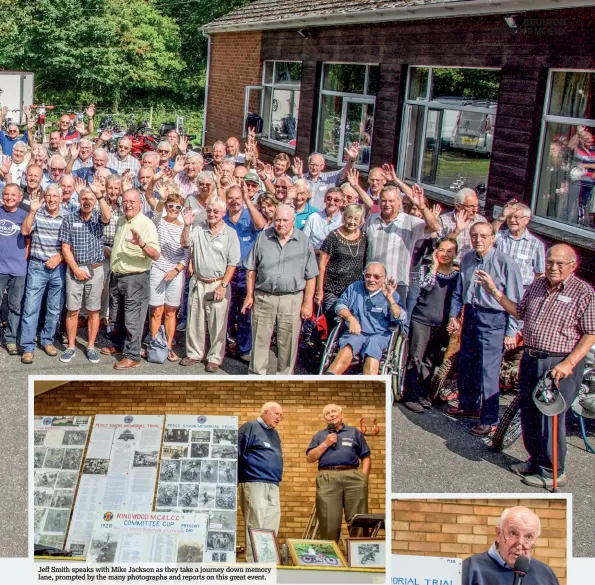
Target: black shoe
point(414, 407)
point(524, 468)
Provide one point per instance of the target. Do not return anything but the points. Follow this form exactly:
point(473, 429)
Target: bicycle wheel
point(509, 427)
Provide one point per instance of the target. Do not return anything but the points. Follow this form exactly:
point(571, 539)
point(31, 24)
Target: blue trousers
point(480, 359)
point(242, 323)
point(15, 285)
point(39, 280)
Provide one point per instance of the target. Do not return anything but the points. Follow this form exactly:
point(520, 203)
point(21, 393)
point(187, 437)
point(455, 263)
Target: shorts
point(90, 289)
point(366, 345)
point(163, 292)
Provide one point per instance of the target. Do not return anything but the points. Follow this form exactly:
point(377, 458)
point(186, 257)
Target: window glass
point(418, 83)
point(284, 115)
point(288, 72)
point(268, 71)
point(330, 126)
point(572, 94)
point(344, 78)
point(359, 122)
point(474, 85)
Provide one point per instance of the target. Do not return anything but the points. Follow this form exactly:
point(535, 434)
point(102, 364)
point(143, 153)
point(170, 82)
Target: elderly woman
point(301, 204)
point(267, 203)
point(167, 274)
point(341, 260)
point(39, 156)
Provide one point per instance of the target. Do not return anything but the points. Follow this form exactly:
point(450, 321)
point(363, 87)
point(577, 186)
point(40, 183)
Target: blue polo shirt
point(351, 446)
point(245, 229)
point(13, 259)
point(87, 173)
point(260, 457)
point(7, 143)
point(302, 216)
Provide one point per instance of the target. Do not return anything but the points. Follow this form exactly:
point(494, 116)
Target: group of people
point(344, 463)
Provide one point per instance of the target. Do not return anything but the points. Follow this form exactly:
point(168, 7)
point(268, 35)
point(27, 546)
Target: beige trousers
point(202, 314)
point(261, 509)
point(284, 311)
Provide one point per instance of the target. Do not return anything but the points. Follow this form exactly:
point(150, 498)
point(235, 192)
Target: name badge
point(268, 445)
point(564, 299)
point(246, 239)
point(376, 309)
point(218, 245)
point(347, 443)
point(77, 225)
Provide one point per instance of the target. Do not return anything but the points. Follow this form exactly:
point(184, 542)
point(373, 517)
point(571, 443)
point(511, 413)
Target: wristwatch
point(224, 284)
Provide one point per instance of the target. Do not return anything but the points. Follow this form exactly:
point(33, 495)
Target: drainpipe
point(207, 80)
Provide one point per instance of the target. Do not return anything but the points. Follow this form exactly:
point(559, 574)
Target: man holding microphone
point(340, 483)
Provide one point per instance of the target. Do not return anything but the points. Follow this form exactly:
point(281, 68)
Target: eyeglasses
point(205, 184)
point(334, 199)
point(283, 187)
point(57, 170)
point(551, 264)
point(470, 207)
point(174, 206)
point(130, 202)
point(164, 151)
point(373, 276)
point(527, 541)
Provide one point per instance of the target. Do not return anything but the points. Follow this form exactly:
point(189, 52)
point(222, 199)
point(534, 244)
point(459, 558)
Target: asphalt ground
point(434, 453)
point(14, 408)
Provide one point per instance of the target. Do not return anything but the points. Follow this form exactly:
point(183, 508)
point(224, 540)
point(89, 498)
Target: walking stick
point(555, 454)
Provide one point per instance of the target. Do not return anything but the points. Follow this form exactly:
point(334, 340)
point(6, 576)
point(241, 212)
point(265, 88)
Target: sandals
point(172, 356)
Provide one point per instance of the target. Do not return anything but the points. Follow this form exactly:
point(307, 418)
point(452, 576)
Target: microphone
point(332, 428)
point(521, 568)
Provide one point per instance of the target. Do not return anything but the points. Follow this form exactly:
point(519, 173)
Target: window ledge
point(277, 145)
point(576, 240)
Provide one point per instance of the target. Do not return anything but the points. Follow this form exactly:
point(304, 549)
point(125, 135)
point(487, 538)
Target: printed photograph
point(221, 541)
point(225, 437)
point(200, 437)
point(206, 498)
point(219, 520)
point(62, 499)
point(224, 452)
point(199, 450)
point(39, 437)
point(169, 471)
point(174, 452)
point(125, 435)
point(188, 495)
point(190, 470)
point(190, 552)
point(38, 456)
point(208, 471)
point(66, 479)
point(38, 518)
point(167, 494)
point(45, 478)
point(72, 459)
point(175, 436)
point(103, 549)
point(226, 497)
point(96, 466)
point(71, 438)
point(53, 458)
point(42, 497)
point(56, 521)
point(227, 472)
point(145, 459)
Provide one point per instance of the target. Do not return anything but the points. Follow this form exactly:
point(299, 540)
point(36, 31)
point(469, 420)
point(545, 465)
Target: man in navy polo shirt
point(243, 216)
point(340, 483)
point(260, 470)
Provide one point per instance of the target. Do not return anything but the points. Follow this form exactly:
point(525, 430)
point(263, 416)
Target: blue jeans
point(16, 288)
point(40, 279)
point(236, 319)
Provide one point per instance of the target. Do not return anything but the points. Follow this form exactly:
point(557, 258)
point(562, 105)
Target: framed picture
point(366, 553)
point(264, 545)
point(315, 553)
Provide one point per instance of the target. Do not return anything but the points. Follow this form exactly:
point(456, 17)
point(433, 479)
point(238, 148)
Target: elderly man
point(100, 157)
point(150, 159)
point(376, 181)
point(516, 534)
point(243, 216)
point(260, 471)
point(135, 247)
point(457, 223)
point(558, 314)
point(32, 189)
point(164, 149)
point(19, 164)
point(218, 153)
point(122, 160)
point(54, 143)
point(215, 255)
point(197, 201)
point(81, 235)
point(369, 308)
point(81, 153)
point(392, 233)
point(13, 260)
point(281, 279)
point(232, 151)
point(320, 181)
point(186, 177)
point(70, 200)
point(320, 224)
point(303, 208)
point(68, 131)
point(340, 484)
point(56, 168)
point(518, 242)
point(45, 273)
point(12, 135)
point(486, 328)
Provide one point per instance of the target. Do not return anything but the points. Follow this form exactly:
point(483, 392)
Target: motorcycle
point(319, 559)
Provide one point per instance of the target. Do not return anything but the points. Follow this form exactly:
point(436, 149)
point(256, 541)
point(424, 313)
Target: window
point(564, 185)
point(281, 101)
point(448, 127)
point(346, 111)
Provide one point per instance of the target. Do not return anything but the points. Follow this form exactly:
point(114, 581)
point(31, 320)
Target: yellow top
point(126, 257)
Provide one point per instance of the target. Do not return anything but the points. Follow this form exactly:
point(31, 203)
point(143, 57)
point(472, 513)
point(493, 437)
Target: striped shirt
point(187, 186)
point(109, 230)
point(392, 243)
point(527, 251)
point(119, 165)
point(320, 186)
point(85, 237)
point(45, 241)
point(172, 253)
point(555, 321)
point(79, 164)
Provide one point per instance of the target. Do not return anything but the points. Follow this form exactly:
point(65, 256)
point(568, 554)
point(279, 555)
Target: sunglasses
point(55, 170)
point(333, 200)
point(174, 206)
point(163, 151)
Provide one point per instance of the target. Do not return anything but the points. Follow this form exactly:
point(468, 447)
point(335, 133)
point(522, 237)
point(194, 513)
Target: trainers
point(12, 349)
point(181, 326)
point(92, 355)
point(547, 483)
point(27, 357)
point(68, 355)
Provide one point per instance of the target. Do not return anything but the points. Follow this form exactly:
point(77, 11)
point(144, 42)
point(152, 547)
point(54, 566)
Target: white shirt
point(318, 227)
point(392, 243)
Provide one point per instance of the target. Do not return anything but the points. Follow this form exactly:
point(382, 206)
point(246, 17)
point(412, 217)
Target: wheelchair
point(392, 363)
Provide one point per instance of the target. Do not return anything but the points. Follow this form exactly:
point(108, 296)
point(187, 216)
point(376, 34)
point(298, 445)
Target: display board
point(198, 473)
point(59, 443)
point(153, 537)
point(119, 472)
point(411, 569)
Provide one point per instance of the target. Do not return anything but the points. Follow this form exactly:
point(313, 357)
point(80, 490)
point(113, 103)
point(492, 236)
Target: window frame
point(545, 119)
point(362, 98)
point(428, 105)
point(272, 85)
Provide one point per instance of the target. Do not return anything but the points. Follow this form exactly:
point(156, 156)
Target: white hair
point(86, 141)
point(53, 187)
point(339, 408)
point(205, 175)
point(282, 206)
point(303, 183)
point(19, 143)
point(56, 158)
point(524, 208)
point(506, 513)
point(375, 262)
point(149, 153)
point(164, 144)
point(218, 202)
point(461, 195)
point(268, 406)
point(193, 154)
point(100, 151)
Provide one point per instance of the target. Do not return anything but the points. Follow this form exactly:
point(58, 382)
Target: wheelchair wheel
point(443, 383)
point(509, 427)
point(396, 363)
point(330, 349)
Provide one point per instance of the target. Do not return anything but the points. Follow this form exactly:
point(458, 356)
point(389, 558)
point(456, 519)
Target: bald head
point(272, 414)
point(563, 251)
point(517, 532)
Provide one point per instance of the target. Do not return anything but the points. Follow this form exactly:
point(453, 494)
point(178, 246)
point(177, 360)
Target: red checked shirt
point(555, 321)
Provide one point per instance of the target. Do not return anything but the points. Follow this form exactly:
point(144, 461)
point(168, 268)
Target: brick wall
point(235, 63)
point(302, 411)
point(460, 528)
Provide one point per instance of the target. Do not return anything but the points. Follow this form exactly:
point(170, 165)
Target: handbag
point(157, 349)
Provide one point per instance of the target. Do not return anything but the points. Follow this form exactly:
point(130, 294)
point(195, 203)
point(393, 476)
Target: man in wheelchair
point(370, 308)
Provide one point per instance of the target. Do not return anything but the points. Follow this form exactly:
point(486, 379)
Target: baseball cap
point(547, 397)
point(252, 177)
point(584, 405)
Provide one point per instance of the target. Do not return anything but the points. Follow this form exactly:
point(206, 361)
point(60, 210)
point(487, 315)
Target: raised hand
point(74, 150)
point(461, 220)
point(126, 180)
point(27, 111)
point(63, 148)
point(352, 152)
point(188, 216)
point(96, 186)
point(268, 169)
point(163, 191)
point(6, 164)
point(179, 166)
point(417, 196)
point(90, 111)
point(353, 178)
point(183, 144)
point(508, 209)
point(81, 128)
point(4, 111)
point(79, 184)
point(36, 202)
point(437, 209)
point(483, 278)
point(106, 135)
point(389, 287)
point(390, 173)
point(135, 238)
point(298, 166)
